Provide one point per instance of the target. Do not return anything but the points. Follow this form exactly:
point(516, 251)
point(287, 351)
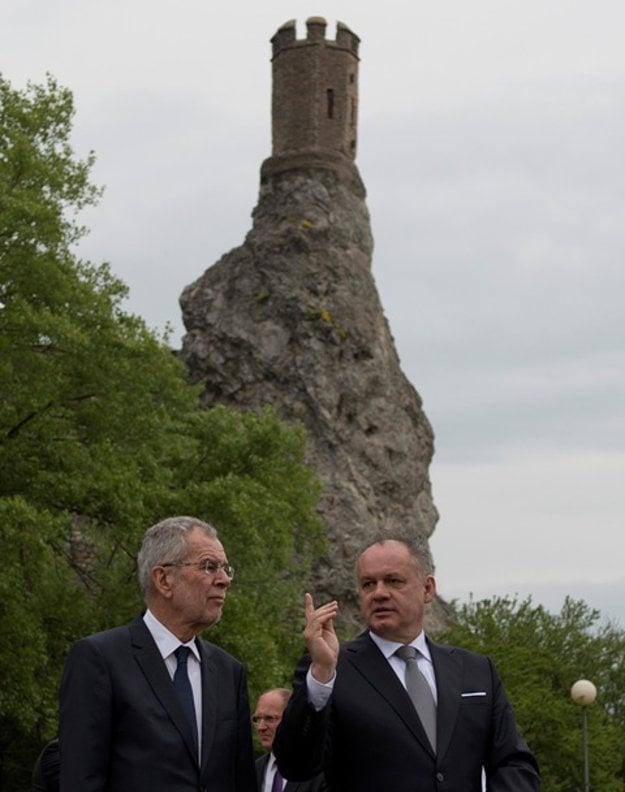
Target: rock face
point(292, 318)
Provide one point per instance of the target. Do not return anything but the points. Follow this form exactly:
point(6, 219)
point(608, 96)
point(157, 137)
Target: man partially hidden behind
point(432, 718)
point(266, 717)
point(149, 706)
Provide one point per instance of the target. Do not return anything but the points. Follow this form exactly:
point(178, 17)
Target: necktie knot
point(182, 655)
point(407, 653)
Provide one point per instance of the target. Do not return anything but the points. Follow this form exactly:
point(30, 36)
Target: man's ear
point(430, 588)
point(161, 581)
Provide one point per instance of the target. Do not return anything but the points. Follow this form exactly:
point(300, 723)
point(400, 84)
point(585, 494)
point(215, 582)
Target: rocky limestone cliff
point(292, 318)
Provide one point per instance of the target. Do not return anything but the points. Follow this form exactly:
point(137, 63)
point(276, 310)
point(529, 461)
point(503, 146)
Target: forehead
point(270, 701)
point(385, 558)
point(201, 544)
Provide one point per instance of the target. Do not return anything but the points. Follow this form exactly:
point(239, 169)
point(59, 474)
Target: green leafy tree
point(539, 656)
point(101, 436)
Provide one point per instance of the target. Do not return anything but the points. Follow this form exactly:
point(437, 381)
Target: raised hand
point(320, 637)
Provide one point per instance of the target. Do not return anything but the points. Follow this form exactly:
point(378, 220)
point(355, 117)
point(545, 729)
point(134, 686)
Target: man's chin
point(381, 623)
point(214, 619)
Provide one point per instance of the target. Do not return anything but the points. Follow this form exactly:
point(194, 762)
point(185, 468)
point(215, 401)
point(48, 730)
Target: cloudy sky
point(491, 144)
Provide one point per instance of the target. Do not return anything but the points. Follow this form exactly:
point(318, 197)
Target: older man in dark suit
point(266, 717)
point(149, 706)
point(392, 709)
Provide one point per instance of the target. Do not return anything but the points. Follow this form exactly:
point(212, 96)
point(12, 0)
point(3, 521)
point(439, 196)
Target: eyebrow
point(212, 558)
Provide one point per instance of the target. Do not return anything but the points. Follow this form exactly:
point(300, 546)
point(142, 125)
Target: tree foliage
point(101, 436)
point(539, 656)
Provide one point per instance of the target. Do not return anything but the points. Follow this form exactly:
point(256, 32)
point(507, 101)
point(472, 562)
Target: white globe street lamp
point(584, 693)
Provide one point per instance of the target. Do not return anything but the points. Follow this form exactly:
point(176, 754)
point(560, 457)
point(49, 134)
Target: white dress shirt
point(167, 644)
point(270, 771)
point(424, 659)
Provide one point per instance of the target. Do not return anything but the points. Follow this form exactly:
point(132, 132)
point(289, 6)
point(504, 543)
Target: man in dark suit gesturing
point(376, 720)
point(266, 717)
point(149, 706)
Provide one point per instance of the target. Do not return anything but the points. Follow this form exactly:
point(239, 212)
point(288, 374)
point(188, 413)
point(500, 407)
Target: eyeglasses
point(209, 566)
point(267, 718)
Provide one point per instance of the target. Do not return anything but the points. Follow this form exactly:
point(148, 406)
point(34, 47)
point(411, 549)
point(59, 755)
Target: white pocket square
point(474, 693)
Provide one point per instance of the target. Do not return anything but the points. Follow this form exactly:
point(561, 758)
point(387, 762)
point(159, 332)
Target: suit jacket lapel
point(261, 767)
point(153, 666)
point(448, 671)
point(369, 661)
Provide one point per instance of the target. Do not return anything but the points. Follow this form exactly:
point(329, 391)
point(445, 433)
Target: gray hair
point(166, 543)
point(416, 543)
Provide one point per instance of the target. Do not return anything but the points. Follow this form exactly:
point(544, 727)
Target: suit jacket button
point(440, 777)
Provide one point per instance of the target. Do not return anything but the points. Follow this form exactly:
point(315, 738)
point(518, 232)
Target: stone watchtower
point(314, 107)
point(292, 317)
point(317, 80)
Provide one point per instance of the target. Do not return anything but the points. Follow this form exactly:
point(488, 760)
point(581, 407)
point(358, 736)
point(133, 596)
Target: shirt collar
point(388, 648)
point(165, 640)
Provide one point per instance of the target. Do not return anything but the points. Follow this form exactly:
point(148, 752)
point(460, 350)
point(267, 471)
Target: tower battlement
point(315, 32)
point(314, 91)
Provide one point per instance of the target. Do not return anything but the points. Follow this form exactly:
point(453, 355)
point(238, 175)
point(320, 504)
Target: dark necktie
point(278, 782)
point(419, 692)
point(183, 688)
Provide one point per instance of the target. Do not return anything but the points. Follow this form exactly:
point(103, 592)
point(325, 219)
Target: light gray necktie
point(419, 692)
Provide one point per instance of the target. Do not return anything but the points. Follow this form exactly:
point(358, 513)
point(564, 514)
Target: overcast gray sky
point(491, 145)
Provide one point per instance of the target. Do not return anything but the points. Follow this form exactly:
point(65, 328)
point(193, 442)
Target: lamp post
point(584, 693)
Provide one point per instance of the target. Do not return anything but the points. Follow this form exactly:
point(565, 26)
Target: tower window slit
point(330, 102)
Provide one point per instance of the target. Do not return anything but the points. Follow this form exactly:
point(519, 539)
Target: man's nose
point(221, 579)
